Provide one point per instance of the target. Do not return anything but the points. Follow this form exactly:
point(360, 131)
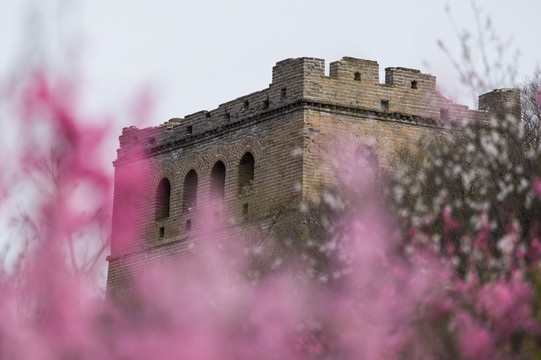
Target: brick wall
point(289, 129)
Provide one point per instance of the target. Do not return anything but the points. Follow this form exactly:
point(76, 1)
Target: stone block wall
point(289, 129)
point(501, 102)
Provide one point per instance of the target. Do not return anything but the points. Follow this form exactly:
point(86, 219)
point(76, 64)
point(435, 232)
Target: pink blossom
point(535, 249)
point(536, 185)
point(476, 343)
point(205, 305)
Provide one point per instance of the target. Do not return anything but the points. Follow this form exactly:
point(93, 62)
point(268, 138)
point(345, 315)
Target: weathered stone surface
point(288, 129)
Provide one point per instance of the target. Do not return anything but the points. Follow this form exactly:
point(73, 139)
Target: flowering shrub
point(471, 196)
point(455, 275)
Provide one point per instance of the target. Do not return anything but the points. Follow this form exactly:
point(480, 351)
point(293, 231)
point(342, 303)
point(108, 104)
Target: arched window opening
point(189, 194)
point(246, 172)
point(163, 198)
point(217, 181)
point(366, 159)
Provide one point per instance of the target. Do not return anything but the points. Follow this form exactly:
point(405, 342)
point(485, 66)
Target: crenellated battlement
point(348, 68)
point(289, 69)
point(352, 83)
point(409, 78)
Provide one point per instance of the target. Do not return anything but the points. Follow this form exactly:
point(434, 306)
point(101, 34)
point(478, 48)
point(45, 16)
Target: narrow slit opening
point(444, 114)
point(385, 105)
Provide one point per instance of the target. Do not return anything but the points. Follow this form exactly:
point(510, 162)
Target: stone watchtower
point(264, 150)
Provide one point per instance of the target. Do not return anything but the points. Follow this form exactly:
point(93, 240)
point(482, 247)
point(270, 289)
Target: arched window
point(366, 158)
point(189, 193)
point(217, 181)
point(163, 198)
point(246, 172)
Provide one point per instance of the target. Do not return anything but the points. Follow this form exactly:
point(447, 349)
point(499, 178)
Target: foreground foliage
point(445, 265)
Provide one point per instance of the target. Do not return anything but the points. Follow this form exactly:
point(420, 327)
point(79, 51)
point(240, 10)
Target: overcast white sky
point(194, 55)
